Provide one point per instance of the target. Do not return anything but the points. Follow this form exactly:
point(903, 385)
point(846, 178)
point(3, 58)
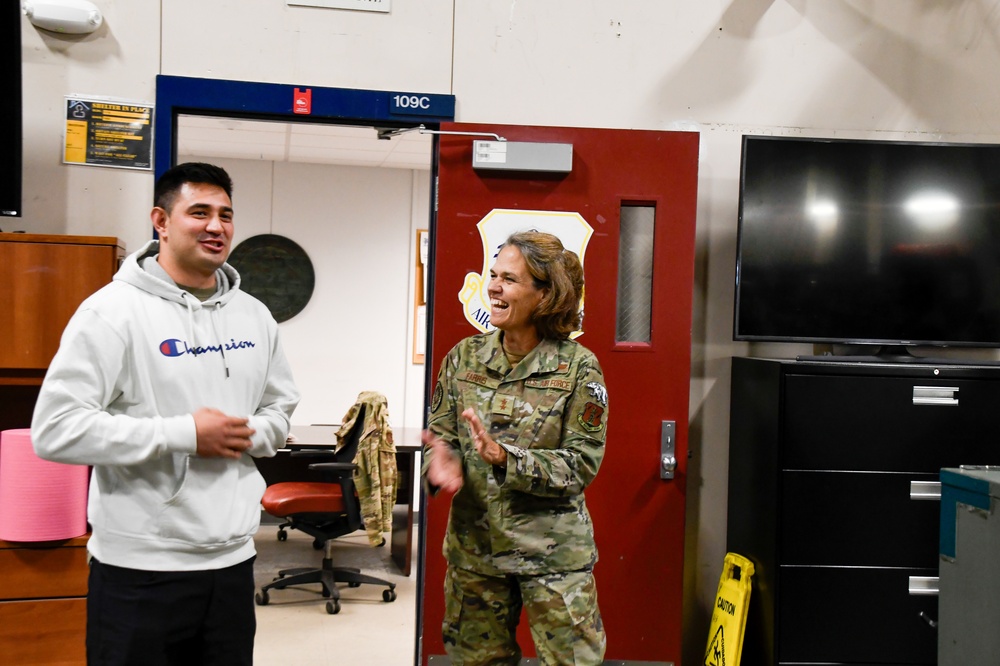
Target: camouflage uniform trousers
point(482, 614)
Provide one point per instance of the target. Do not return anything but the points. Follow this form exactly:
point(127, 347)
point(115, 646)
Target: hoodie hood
point(132, 272)
point(142, 271)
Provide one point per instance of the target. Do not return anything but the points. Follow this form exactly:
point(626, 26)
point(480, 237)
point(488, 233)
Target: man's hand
point(444, 469)
point(221, 435)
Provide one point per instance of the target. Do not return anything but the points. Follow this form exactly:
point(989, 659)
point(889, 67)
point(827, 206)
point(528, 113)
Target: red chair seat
point(293, 497)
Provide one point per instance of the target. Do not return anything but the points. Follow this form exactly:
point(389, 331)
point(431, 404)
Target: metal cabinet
point(833, 478)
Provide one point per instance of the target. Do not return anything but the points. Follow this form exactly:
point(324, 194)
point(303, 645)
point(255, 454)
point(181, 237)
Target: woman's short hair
point(558, 270)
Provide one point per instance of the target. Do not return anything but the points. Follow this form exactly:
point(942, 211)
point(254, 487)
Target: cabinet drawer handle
point(925, 490)
point(923, 585)
point(935, 395)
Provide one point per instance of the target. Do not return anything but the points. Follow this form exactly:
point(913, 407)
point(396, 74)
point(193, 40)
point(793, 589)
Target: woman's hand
point(444, 469)
point(488, 450)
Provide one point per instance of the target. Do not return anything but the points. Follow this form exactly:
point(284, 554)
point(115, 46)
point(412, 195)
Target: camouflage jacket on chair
point(375, 477)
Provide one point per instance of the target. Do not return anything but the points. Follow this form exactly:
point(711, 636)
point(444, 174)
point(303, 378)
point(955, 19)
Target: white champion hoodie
point(137, 359)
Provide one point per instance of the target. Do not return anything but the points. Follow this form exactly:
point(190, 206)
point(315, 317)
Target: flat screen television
point(868, 243)
point(10, 110)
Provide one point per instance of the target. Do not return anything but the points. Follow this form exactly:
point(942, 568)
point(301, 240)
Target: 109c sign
point(411, 101)
point(420, 104)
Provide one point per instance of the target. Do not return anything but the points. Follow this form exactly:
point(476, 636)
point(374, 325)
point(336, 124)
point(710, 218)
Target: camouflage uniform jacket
point(375, 477)
point(549, 413)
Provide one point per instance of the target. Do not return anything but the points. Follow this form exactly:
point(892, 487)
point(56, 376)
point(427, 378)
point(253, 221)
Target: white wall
point(121, 60)
point(409, 49)
point(888, 69)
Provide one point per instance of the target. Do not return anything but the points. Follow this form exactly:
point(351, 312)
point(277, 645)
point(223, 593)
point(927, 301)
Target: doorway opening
point(352, 191)
point(308, 163)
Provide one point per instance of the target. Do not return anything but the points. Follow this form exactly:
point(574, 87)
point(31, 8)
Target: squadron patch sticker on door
point(499, 223)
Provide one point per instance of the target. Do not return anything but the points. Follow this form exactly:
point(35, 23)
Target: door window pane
point(635, 274)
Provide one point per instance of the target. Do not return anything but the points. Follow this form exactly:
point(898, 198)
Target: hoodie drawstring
point(215, 330)
point(187, 298)
point(213, 316)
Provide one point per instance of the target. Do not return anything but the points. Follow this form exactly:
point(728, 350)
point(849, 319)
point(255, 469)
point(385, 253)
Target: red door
point(638, 517)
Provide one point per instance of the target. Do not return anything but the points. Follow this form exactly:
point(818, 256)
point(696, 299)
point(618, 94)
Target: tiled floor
point(294, 629)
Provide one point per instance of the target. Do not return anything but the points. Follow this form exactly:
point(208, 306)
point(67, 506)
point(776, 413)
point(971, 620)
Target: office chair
point(324, 510)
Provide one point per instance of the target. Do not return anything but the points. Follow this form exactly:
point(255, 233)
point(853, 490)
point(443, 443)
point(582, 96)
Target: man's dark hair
point(170, 183)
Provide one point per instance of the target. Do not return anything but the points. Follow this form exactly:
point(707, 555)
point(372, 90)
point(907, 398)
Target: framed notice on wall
point(106, 132)
point(362, 5)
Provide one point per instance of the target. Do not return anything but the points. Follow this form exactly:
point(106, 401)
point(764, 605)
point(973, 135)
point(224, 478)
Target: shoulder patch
point(437, 397)
point(592, 417)
point(599, 393)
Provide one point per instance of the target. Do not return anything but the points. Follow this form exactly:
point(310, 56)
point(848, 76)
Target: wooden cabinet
point(42, 281)
point(43, 605)
point(43, 586)
point(830, 465)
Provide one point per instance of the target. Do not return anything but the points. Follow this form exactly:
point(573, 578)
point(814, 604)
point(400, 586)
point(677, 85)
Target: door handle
point(668, 458)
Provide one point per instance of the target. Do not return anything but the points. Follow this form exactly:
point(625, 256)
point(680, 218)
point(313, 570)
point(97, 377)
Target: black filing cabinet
point(833, 486)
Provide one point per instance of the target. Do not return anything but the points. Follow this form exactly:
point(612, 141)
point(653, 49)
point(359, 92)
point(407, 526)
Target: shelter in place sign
point(102, 132)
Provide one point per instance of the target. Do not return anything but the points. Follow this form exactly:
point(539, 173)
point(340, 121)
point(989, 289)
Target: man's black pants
point(168, 618)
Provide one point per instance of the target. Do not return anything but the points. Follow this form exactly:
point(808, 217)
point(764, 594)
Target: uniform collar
point(548, 356)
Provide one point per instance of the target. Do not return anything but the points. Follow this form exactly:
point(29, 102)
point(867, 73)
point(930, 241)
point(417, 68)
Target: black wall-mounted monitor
point(868, 242)
point(10, 110)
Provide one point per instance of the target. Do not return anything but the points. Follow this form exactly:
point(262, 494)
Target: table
point(283, 467)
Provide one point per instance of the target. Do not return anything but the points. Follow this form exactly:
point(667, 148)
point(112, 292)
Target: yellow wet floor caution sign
point(725, 638)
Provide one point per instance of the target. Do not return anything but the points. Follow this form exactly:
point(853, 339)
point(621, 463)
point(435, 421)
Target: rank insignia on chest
point(503, 404)
point(592, 417)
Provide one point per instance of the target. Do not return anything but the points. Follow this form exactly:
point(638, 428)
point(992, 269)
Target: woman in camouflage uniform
point(516, 431)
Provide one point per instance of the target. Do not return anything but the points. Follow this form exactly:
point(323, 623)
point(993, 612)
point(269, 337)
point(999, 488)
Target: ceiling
point(275, 141)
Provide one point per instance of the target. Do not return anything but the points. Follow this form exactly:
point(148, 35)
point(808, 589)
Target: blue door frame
point(177, 95)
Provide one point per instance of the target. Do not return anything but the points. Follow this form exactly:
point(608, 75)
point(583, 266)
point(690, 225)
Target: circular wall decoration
point(277, 271)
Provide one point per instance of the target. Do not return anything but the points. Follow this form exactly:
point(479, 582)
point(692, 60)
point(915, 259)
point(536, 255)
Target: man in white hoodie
point(168, 381)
